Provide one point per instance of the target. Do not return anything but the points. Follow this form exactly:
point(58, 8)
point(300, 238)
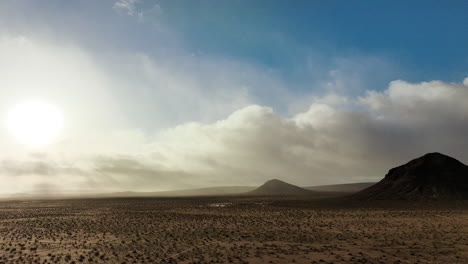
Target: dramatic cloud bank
point(324, 145)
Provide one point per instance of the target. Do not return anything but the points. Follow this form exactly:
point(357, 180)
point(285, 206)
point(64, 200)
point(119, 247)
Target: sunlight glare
point(34, 123)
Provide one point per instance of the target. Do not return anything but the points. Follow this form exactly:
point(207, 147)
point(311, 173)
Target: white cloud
point(148, 15)
point(127, 6)
point(318, 115)
point(419, 102)
point(101, 97)
point(324, 144)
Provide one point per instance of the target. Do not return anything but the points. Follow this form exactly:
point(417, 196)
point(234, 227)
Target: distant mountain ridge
point(432, 176)
point(344, 188)
point(334, 190)
point(209, 191)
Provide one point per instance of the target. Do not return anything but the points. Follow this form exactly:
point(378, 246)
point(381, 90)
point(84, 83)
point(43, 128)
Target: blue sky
point(427, 37)
point(169, 94)
point(422, 40)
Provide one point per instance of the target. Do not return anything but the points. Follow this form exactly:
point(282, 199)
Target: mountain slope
point(432, 176)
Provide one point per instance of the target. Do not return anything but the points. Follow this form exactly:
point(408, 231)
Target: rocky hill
point(432, 176)
point(277, 187)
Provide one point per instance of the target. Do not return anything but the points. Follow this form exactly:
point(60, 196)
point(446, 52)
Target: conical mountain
point(432, 176)
point(277, 187)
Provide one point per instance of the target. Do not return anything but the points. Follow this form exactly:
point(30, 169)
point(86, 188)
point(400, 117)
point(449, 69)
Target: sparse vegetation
point(246, 230)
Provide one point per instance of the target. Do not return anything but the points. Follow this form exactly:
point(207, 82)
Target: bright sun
point(35, 123)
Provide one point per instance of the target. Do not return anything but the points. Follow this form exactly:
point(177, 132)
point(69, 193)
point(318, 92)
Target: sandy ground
point(231, 230)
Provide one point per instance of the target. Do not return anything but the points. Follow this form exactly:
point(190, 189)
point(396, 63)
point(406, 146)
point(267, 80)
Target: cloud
point(323, 145)
point(127, 6)
point(136, 8)
point(173, 119)
point(97, 173)
point(121, 97)
point(134, 174)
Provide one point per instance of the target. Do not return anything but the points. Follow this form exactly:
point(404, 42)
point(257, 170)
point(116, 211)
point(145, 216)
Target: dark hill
point(432, 176)
point(277, 187)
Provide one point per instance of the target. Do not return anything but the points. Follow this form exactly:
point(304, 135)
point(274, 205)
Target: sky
point(172, 94)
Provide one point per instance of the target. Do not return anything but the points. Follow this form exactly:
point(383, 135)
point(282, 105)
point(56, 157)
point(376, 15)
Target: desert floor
point(231, 230)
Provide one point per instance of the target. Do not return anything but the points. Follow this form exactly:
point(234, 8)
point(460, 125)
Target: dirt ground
point(231, 230)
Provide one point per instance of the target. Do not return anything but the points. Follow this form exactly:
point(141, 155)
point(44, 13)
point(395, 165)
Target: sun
point(35, 123)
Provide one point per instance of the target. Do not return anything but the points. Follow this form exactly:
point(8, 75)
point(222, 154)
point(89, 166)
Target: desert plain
point(232, 230)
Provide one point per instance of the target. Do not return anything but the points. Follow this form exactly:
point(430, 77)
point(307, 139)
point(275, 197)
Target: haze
point(164, 95)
